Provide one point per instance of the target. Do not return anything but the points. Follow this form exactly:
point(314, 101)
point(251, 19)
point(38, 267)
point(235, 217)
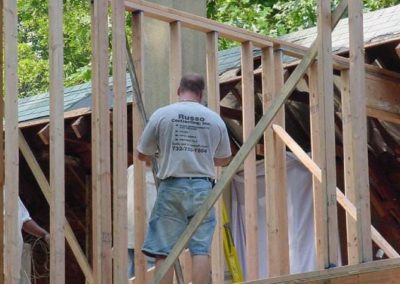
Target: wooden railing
point(110, 265)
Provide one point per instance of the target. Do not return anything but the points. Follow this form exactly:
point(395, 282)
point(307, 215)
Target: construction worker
point(190, 140)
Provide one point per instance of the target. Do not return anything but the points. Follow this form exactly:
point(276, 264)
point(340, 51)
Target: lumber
point(45, 188)
point(374, 272)
point(315, 112)
point(213, 99)
point(398, 50)
point(101, 173)
point(175, 59)
point(250, 178)
point(383, 115)
point(57, 152)
point(80, 127)
point(275, 169)
point(341, 198)
point(327, 131)
point(120, 147)
point(139, 172)
point(235, 164)
point(44, 133)
point(11, 161)
point(1, 142)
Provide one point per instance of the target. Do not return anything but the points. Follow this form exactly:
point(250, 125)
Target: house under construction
point(334, 96)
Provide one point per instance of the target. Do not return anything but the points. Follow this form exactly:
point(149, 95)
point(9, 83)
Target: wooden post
point(275, 169)
point(120, 147)
point(250, 179)
point(11, 163)
point(1, 143)
point(321, 248)
point(358, 170)
point(102, 237)
point(327, 130)
point(175, 59)
point(139, 172)
point(57, 163)
point(213, 95)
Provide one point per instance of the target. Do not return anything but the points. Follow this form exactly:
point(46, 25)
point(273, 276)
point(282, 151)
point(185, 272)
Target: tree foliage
point(271, 17)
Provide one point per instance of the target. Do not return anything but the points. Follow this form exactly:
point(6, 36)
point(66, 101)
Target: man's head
point(193, 83)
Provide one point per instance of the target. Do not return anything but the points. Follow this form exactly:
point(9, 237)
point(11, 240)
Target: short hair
point(192, 82)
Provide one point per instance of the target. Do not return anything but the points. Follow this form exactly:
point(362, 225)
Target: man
point(151, 193)
point(190, 140)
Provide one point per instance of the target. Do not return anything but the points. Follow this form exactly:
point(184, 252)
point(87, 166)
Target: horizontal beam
point(341, 198)
point(376, 272)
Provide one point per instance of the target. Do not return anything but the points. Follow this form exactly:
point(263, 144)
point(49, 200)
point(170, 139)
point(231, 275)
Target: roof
point(379, 26)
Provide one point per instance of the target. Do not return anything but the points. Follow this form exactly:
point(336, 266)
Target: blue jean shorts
point(178, 200)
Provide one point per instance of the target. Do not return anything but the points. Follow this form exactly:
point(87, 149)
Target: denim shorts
point(178, 200)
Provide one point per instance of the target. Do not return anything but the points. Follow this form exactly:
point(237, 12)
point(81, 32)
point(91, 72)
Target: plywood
point(102, 236)
point(11, 162)
point(327, 130)
point(320, 230)
point(175, 59)
point(57, 152)
point(120, 147)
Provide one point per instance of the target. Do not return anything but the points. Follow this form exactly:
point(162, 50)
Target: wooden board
point(139, 173)
point(11, 162)
point(175, 59)
point(250, 178)
point(327, 131)
point(120, 147)
point(321, 247)
point(101, 174)
point(1, 141)
point(57, 152)
point(213, 96)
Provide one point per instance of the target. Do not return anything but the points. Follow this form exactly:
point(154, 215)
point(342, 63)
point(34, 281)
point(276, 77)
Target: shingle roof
point(378, 26)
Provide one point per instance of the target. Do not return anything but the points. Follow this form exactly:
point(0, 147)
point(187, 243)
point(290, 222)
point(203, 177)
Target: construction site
point(310, 195)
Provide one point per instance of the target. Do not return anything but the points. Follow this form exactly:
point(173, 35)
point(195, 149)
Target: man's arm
point(32, 228)
point(222, 162)
point(143, 157)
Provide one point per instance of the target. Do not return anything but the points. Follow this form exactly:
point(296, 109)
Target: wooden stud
point(139, 172)
point(250, 179)
point(356, 172)
point(213, 95)
point(80, 127)
point(57, 152)
point(275, 169)
point(11, 163)
point(45, 188)
point(44, 134)
point(341, 198)
point(327, 131)
point(398, 50)
point(175, 59)
point(1, 143)
point(241, 155)
point(321, 248)
point(120, 147)
point(102, 237)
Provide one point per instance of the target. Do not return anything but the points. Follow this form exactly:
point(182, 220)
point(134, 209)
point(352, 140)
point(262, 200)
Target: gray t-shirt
point(188, 136)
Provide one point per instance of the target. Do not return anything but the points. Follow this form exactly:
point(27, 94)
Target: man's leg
point(201, 269)
point(169, 276)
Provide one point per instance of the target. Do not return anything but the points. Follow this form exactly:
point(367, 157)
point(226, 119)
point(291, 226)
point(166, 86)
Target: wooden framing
point(398, 50)
point(102, 236)
point(120, 147)
point(250, 178)
point(11, 161)
point(319, 228)
point(1, 141)
point(175, 59)
point(327, 132)
point(139, 173)
point(57, 163)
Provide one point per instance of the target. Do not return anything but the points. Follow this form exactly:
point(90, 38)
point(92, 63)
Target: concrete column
point(156, 64)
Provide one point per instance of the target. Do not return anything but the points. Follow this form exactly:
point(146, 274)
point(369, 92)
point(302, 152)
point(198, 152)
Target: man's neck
point(189, 97)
